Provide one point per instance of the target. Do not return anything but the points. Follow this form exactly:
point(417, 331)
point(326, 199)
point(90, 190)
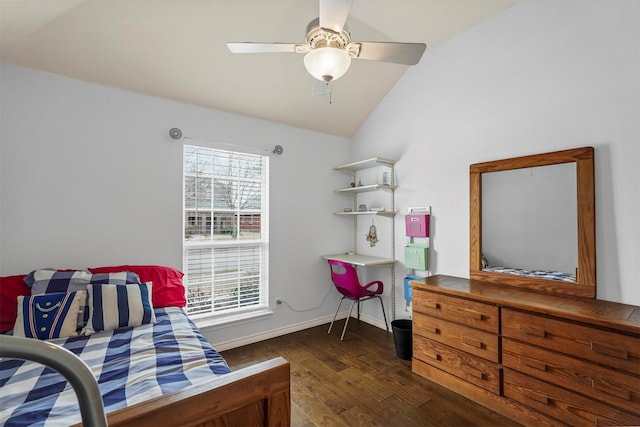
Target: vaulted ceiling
point(177, 49)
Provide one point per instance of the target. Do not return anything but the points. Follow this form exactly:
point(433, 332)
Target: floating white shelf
point(365, 188)
point(379, 213)
point(351, 168)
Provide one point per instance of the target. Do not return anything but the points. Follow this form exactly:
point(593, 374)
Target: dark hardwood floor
point(360, 381)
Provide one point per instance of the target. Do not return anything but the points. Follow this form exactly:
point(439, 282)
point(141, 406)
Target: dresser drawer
point(571, 408)
point(467, 339)
point(467, 312)
point(606, 385)
point(463, 365)
point(608, 348)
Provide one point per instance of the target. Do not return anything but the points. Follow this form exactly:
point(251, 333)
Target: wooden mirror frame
point(585, 285)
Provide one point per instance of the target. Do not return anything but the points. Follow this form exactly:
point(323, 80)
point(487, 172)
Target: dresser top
point(623, 317)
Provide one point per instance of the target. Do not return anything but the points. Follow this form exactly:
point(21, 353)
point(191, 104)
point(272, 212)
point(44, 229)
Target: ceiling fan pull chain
point(328, 86)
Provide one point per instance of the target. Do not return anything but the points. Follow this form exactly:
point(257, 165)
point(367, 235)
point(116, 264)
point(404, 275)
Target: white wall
point(541, 76)
point(89, 176)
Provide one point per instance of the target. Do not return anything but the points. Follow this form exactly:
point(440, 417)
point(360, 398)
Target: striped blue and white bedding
point(131, 365)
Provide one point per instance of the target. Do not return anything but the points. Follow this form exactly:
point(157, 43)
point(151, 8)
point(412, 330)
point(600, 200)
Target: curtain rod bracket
point(175, 133)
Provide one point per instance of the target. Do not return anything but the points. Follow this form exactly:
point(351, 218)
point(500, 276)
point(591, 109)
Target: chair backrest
point(345, 278)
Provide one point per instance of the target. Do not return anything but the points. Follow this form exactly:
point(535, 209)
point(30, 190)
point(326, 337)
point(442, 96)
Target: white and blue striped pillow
point(118, 306)
point(49, 316)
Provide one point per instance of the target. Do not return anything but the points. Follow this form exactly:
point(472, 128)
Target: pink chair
point(345, 278)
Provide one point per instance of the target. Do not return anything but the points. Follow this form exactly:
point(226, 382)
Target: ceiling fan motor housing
point(323, 37)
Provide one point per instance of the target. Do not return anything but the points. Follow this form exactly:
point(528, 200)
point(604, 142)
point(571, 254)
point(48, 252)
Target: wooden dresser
point(536, 358)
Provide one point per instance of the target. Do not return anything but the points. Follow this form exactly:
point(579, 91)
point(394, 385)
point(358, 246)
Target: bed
point(156, 370)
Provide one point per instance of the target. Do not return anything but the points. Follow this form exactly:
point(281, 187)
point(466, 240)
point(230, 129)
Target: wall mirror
point(532, 222)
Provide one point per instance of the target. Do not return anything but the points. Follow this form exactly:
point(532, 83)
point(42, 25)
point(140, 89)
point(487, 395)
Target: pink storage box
point(417, 225)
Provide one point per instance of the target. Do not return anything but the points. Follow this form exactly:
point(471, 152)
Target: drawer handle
point(433, 330)
point(474, 314)
point(611, 389)
point(472, 342)
point(478, 374)
point(620, 353)
point(538, 397)
point(432, 304)
point(434, 355)
point(533, 363)
point(536, 332)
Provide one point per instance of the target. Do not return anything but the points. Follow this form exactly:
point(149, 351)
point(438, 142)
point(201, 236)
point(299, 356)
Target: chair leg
point(384, 315)
point(346, 322)
point(335, 315)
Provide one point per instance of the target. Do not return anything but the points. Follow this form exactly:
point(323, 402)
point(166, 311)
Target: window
point(225, 232)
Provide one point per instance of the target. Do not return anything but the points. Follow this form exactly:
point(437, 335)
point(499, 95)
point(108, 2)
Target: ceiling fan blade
point(334, 13)
point(251, 47)
point(399, 53)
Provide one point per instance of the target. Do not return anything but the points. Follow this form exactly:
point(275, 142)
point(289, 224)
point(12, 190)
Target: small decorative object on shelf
point(385, 178)
point(372, 236)
point(359, 183)
point(362, 208)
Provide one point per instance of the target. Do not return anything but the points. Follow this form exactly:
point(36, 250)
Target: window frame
point(255, 249)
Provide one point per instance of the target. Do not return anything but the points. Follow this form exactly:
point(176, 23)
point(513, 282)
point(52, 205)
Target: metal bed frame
point(68, 365)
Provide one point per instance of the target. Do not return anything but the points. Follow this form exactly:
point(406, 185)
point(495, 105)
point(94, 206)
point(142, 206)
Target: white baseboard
point(250, 339)
point(378, 323)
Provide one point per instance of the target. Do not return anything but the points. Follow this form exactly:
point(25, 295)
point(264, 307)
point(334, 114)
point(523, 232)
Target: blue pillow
point(49, 316)
point(118, 306)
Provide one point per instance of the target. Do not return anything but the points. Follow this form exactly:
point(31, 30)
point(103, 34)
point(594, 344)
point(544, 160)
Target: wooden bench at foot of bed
point(258, 395)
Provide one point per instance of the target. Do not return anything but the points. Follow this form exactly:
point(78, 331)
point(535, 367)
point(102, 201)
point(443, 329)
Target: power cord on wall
point(281, 301)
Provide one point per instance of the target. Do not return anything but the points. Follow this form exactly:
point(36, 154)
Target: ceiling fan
point(328, 48)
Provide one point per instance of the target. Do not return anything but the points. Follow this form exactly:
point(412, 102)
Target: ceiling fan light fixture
point(327, 63)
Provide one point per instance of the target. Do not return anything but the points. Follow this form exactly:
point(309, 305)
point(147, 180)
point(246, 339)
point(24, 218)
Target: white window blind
point(225, 231)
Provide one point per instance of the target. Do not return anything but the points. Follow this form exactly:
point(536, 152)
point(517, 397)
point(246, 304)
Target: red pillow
point(10, 288)
point(167, 289)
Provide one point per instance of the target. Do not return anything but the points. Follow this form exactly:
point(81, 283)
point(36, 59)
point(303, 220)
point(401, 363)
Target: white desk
point(362, 260)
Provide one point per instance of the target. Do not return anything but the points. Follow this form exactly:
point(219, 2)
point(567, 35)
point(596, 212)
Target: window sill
point(215, 322)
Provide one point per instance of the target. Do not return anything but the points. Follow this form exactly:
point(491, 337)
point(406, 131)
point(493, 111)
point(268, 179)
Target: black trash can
point(402, 338)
